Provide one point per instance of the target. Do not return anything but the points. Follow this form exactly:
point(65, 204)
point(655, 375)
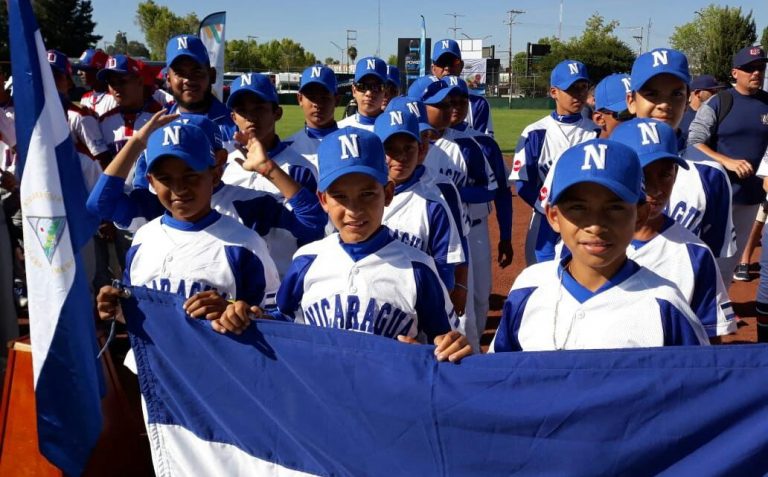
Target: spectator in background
point(701, 89)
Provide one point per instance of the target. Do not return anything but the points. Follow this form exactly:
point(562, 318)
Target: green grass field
point(507, 123)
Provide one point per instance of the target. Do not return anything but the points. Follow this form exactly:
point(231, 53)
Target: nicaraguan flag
point(213, 36)
point(56, 225)
point(284, 399)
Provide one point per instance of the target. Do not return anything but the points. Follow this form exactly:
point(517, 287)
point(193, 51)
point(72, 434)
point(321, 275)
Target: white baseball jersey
point(419, 217)
point(357, 120)
point(701, 202)
point(85, 131)
point(216, 252)
point(163, 97)
point(547, 309)
point(99, 103)
point(450, 194)
point(381, 286)
point(479, 115)
point(682, 258)
point(762, 169)
point(117, 126)
point(290, 161)
point(307, 140)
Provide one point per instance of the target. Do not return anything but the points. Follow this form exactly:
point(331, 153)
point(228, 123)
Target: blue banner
point(296, 400)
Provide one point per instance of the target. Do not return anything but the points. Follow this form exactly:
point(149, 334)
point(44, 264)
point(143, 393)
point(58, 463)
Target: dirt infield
point(742, 293)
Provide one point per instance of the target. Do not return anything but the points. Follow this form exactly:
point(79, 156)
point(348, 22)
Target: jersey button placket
point(352, 274)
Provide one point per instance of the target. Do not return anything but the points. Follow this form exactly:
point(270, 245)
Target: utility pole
point(648, 36)
point(512, 15)
point(560, 25)
point(351, 36)
point(378, 42)
point(455, 28)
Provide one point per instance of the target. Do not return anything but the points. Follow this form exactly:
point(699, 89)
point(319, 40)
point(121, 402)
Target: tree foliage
point(392, 60)
point(66, 25)
point(132, 48)
point(598, 48)
point(764, 38)
point(159, 24)
point(712, 37)
point(275, 55)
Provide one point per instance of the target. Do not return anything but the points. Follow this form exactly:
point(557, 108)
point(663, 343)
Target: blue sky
point(315, 24)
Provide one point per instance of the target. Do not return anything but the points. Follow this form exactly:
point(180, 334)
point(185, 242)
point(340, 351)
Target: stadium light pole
point(512, 15)
point(341, 54)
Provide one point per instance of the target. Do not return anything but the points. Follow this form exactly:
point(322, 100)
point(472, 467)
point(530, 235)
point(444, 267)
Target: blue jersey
point(547, 309)
point(479, 115)
point(306, 142)
point(380, 286)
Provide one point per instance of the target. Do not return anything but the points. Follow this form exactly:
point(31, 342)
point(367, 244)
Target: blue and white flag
point(287, 399)
point(423, 48)
point(67, 375)
point(213, 35)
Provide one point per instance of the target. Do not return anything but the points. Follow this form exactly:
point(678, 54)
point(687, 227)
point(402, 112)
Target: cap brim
point(616, 107)
point(102, 75)
point(616, 187)
point(440, 95)
point(188, 55)
point(374, 74)
point(400, 131)
point(567, 84)
point(377, 175)
point(435, 59)
point(237, 94)
point(424, 126)
point(682, 77)
point(650, 158)
point(756, 60)
point(315, 81)
point(192, 160)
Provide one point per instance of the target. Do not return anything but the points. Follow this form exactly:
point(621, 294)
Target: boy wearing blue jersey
point(595, 297)
point(368, 91)
point(362, 278)
point(611, 103)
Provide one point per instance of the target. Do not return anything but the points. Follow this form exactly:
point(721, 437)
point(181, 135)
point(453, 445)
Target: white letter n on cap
point(395, 118)
point(649, 133)
point(659, 58)
point(573, 68)
point(171, 135)
point(594, 155)
point(370, 64)
point(246, 79)
point(349, 146)
point(315, 72)
point(181, 43)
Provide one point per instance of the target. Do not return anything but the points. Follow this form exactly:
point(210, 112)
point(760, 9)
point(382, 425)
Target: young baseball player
point(362, 278)
point(97, 99)
point(701, 198)
point(595, 297)
point(540, 146)
point(446, 60)
point(391, 85)
point(611, 103)
point(663, 245)
point(368, 91)
point(417, 215)
point(255, 110)
point(317, 98)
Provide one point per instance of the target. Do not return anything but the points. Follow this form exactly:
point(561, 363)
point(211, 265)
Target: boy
point(417, 215)
point(362, 278)
point(317, 98)
point(255, 110)
point(368, 91)
point(391, 86)
point(663, 245)
point(595, 297)
point(192, 249)
point(611, 103)
point(98, 99)
point(540, 146)
point(701, 198)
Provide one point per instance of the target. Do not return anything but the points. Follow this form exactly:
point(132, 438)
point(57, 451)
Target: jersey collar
point(582, 294)
point(365, 120)
point(168, 220)
point(415, 177)
point(375, 242)
point(668, 222)
point(316, 133)
point(279, 147)
point(567, 118)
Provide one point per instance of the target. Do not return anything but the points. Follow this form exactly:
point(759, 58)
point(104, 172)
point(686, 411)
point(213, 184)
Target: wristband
point(461, 286)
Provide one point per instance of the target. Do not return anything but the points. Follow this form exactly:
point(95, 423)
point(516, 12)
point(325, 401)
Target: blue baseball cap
point(413, 106)
point(186, 45)
point(254, 83)
point(458, 83)
point(92, 59)
point(350, 150)
point(706, 82)
point(393, 75)
point(59, 62)
point(371, 65)
point(747, 55)
point(321, 75)
point(393, 122)
point(600, 161)
point(659, 61)
point(212, 130)
point(430, 89)
point(183, 141)
point(445, 47)
point(567, 72)
point(651, 139)
point(611, 93)
point(120, 65)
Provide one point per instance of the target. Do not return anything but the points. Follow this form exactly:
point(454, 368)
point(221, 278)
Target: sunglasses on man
point(752, 67)
point(372, 87)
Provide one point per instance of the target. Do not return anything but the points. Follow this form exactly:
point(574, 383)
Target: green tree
point(66, 25)
point(352, 53)
point(392, 60)
point(712, 37)
point(241, 55)
point(159, 24)
point(137, 49)
point(764, 38)
point(275, 55)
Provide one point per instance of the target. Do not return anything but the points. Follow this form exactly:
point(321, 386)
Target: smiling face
point(749, 78)
point(571, 100)
point(317, 104)
point(355, 204)
point(659, 179)
point(662, 97)
point(596, 225)
point(402, 152)
point(189, 82)
point(256, 117)
point(184, 192)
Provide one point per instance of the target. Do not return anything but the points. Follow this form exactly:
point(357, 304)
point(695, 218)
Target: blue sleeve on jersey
point(248, 271)
point(140, 173)
point(546, 240)
point(511, 317)
point(307, 219)
point(532, 145)
point(430, 303)
point(439, 241)
point(704, 300)
point(291, 289)
point(129, 255)
point(304, 177)
point(478, 192)
point(481, 114)
point(502, 201)
point(109, 201)
point(714, 221)
point(677, 329)
point(454, 203)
